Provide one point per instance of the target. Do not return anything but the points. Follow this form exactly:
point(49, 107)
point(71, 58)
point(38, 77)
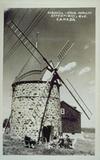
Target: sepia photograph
point(49, 81)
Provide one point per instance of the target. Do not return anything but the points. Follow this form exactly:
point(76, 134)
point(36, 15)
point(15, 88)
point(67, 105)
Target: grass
point(16, 147)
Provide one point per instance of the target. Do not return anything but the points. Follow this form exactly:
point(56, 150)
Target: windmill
point(55, 77)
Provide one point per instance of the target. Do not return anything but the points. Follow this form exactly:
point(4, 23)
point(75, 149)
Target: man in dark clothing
point(61, 142)
point(46, 133)
point(68, 142)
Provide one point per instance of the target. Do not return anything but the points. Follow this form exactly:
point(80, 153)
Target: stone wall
point(28, 103)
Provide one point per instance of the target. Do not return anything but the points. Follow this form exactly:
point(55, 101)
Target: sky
point(54, 26)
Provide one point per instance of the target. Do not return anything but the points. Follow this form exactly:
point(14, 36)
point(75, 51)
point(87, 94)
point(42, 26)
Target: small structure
point(71, 119)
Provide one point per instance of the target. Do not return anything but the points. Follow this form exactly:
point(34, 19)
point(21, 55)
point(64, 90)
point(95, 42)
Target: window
point(62, 111)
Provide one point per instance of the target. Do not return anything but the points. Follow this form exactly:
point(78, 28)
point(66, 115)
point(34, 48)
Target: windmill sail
point(80, 98)
point(62, 53)
point(39, 17)
point(41, 60)
point(73, 96)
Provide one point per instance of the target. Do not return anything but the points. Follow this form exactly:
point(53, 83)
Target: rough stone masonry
point(28, 103)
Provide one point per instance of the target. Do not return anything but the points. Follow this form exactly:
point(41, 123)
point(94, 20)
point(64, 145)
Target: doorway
point(46, 133)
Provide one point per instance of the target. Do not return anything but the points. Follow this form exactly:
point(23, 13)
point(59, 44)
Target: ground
point(83, 146)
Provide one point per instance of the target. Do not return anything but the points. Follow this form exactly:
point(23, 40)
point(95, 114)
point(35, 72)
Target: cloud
point(86, 46)
point(68, 67)
point(84, 70)
point(91, 89)
point(92, 82)
point(92, 42)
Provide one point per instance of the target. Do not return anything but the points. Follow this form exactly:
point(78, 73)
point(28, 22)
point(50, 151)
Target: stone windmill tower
point(36, 104)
